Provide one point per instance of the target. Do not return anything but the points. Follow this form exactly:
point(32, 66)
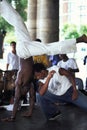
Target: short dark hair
point(38, 67)
point(13, 43)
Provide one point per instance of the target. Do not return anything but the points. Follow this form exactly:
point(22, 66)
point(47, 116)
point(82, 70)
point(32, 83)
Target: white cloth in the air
point(25, 46)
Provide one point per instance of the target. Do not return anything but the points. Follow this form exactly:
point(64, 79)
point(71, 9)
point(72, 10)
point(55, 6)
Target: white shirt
point(13, 61)
point(58, 84)
point(70, 63)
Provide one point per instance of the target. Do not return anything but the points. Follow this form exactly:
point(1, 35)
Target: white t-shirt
point(13, 61)
point(58, 84)
point(70, 63)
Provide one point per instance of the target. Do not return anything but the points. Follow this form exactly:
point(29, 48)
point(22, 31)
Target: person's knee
point(18, 83)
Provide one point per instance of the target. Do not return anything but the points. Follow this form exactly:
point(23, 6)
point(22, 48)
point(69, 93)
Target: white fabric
point(70, 63)
point(13, 61)
point(26, 47)
point(58, 84)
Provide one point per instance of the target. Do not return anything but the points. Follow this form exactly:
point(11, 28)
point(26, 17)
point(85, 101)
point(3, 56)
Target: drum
point(1, 75)
point(9, 79)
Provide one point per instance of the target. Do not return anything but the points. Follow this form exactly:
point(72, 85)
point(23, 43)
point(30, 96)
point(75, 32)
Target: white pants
point(25, 47)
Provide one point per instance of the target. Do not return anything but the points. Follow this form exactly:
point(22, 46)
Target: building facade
point(72, 12)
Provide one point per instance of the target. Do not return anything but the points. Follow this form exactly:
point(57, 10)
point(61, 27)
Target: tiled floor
point(72, 118)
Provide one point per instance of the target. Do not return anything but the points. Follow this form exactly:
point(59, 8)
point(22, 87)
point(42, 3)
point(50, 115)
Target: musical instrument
point(7, 79)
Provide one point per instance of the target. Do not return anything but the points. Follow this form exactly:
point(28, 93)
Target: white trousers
point(25, 46)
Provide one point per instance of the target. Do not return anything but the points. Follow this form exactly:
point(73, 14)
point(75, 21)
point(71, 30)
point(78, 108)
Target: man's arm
point(72, 66)
point(72, 80)
point(7, 65)
point(73, 70)
point(84, 61)
point(43, 87)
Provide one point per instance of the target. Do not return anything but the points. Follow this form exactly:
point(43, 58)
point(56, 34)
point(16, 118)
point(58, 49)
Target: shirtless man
point(24, 84)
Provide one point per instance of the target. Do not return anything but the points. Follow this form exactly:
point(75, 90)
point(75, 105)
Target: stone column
point(31, 18)
point(48, 20)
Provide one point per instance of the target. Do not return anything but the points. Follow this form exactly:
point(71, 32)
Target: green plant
point(20, 6)
point(73, 31)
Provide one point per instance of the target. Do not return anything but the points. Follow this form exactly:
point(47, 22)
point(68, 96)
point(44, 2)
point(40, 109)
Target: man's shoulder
point(9, 53)
point(72, 60)
point(60, 62)
point(54, 67)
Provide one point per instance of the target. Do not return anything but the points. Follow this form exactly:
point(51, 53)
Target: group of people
point(55, 84)
point(26, 84)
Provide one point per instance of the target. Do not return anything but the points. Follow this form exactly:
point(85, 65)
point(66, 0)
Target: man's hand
point(70, 69)
point(51, 73)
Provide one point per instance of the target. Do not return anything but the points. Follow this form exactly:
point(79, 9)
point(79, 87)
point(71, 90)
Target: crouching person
point(57, 85)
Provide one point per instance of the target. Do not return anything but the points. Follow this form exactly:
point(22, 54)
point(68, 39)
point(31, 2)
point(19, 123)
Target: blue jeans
point(47, 101)
point(79, 83)
point(86, 83)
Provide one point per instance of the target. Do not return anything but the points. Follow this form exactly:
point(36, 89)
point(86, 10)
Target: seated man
point(57, 84)
point(70, 65)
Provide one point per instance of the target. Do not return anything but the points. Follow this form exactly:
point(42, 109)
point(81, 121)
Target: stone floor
point(72, 118)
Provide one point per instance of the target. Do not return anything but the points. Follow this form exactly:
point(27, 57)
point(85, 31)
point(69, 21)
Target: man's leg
point(13, 18)
point(83, 38)
point(24, 43)
point(31, 99)
point(47, 103)
point(81, 101)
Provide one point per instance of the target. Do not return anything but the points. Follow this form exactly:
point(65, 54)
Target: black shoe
point(54, 117)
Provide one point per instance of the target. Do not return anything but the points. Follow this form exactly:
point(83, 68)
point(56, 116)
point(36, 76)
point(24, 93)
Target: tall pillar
point(48, 20)
point(31, 18)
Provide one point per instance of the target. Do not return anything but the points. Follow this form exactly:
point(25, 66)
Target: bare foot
point(83, 38)
point(27, 114)
point(8, 119)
